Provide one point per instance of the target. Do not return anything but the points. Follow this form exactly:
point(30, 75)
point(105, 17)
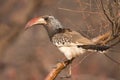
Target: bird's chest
point(67, 46)
point(71, 52)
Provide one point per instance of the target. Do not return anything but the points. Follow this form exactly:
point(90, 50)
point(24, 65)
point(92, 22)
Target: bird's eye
point(46, 18)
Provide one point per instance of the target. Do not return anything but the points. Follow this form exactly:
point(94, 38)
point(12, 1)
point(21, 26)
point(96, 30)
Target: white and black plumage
point(69, 42)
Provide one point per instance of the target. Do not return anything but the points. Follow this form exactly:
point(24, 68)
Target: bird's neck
point(52, 32)
point(52, 27)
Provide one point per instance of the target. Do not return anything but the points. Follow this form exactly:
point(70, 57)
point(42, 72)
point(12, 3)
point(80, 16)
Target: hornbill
point(68, 41)
point(71, 43)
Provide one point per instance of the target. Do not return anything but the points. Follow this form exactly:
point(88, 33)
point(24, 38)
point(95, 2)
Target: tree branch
point(113, 18)
point(114, 34)
point(59, 67)
point(112, 59)
point(104, 11)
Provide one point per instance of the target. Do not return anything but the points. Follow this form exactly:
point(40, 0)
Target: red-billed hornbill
point(69, 42)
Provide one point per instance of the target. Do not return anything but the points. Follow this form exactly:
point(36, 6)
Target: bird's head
point(50, 23)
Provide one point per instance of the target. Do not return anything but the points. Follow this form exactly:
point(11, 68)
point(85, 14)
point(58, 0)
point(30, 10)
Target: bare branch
point(112, 59)
point(113, 17)
point(102, 39)
point(59, 67)
point(70, 10)
point(104, 11)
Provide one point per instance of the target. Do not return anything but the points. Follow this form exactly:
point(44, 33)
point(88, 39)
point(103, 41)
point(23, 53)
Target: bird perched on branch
point(68, 41)
point(71, 43)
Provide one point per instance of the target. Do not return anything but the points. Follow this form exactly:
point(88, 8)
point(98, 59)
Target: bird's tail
point(94, 47)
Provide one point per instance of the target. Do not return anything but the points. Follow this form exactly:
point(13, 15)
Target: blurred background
point(29, 55)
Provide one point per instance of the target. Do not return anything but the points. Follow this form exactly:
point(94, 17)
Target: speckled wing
point(70, 38)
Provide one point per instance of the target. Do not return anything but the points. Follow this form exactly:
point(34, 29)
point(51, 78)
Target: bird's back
point(67, 37)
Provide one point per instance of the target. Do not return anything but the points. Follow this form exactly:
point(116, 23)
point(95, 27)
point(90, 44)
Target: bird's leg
point(70, 72)
point(62, 60)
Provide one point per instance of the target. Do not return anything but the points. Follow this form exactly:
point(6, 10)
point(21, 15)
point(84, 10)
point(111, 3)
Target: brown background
point(29, 55)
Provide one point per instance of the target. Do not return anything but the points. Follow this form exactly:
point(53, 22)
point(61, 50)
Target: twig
point(65, 9)
point(112, 59)
point(115, 43)
point(104, 11)
point(59, 67)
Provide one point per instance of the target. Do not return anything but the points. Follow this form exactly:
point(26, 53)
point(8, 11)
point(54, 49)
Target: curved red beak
point(34, 21)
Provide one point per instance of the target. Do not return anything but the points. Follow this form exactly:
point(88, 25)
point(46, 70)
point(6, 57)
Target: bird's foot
point(69, 73)
point(60, 61)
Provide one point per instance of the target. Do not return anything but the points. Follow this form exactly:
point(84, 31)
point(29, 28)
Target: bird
point(71, 43)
